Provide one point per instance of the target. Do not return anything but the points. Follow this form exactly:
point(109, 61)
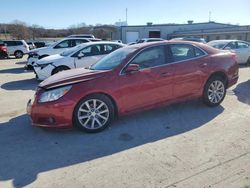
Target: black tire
point(18, 54)
point(248, 61)
point(59, 69)
point(104, 124)
point(207, 92)
point(29, 67)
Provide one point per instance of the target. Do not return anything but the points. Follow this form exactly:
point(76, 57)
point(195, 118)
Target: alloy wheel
point(216, 91)
point(93, 114)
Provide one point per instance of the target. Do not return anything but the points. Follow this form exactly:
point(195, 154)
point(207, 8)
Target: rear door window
point(91, 51)
point(64, 44)
point(242, 45)
point(181, 52)
point(79, 41)
point(231, 45)
point(18, 43)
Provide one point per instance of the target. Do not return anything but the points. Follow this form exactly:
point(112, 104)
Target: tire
point(248, 61)
point(214, 97)
point(18, 54)
point(59, 69)
point(94, 117)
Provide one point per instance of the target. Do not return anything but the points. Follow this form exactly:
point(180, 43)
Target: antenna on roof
point(210, 13)
point(127, 16)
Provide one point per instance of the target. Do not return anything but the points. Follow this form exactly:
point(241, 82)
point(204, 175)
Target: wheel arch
point(219, 74)
point(60, 66)
point(101, 93)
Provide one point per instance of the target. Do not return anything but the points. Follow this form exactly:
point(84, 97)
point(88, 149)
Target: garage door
point(132, 36)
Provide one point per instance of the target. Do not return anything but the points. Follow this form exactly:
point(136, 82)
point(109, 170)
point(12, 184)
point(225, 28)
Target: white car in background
point(17, 47)
point(240, 48)
point(149, 40)
point(81, 56)
point(55, 48)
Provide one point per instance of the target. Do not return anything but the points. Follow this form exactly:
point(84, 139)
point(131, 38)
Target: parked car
point(120, 41)
point(31, 45)
point(3, 50)
point(55, 48)
point(131, 43)
point(81, 36)
point(82, 55)
point(132, 79)
point(149, 40)
point(39, 44)
point(17, 47)
point(194, 39)
point(241, 48)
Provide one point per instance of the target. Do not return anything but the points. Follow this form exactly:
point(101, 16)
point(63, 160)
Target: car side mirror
point(132, 68)
point(80, 55)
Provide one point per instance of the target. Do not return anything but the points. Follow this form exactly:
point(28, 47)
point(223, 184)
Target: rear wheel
point(18, 54)
point(248, 61)
point(94, 113)
point(214, 91)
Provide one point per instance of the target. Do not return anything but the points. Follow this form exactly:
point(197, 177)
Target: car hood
point(50, 59)
point(71, 77)
point(39, 49)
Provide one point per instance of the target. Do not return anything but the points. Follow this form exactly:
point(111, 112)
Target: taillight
point(4, 48)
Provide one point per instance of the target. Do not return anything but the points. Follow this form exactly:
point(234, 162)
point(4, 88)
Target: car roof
point(222, 41)
point(141, 46)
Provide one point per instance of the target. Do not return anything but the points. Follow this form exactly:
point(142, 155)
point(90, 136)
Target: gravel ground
point(182, 145)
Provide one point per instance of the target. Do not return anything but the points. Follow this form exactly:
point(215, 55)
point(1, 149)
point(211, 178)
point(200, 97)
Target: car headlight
point(54, 94)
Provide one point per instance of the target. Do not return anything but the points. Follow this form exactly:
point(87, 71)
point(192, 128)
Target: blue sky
point(63, 13)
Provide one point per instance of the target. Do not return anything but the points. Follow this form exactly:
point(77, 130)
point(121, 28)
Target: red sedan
point(133, 79)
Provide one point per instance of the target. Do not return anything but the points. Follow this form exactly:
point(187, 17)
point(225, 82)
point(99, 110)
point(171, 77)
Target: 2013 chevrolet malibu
point(133, 79)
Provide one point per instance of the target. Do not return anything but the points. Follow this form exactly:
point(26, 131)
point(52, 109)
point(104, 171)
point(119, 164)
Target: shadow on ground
point(28, 84)
point(21, 62)
point(242, 91)
point(14, 71)
point(27, 151)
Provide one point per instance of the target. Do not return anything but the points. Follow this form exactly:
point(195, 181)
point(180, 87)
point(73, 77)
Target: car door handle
point(166, 74)
point(203, 65)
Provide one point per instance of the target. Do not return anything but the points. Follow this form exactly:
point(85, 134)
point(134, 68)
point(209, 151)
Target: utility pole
point(127, 16)
point(210, 16)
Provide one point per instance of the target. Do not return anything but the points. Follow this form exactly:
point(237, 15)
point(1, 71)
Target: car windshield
point(70, 51)
point(218, 45)
point(112, 60)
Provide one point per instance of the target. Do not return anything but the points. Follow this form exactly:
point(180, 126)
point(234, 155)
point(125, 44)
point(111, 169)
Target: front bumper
point(57, 114)
point(43, 73)
point(232, 81)
point(32, 60)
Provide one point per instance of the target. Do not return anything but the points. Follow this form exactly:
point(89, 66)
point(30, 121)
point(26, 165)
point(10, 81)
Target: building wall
point(167, 29)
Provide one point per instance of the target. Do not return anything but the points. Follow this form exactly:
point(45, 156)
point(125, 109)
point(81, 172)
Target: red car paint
point(146, 89)
point(3, 50)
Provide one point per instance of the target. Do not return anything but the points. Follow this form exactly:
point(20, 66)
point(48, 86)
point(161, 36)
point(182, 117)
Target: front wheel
point(94, 113)
point(214, 91)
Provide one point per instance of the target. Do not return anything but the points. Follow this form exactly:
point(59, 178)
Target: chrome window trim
point(171, 63)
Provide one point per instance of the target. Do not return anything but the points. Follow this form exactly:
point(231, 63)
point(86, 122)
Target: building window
point(228, 36)
point(239, 37)
point(217, 37)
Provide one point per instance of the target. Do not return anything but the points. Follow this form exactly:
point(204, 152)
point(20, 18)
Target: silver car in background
point(240, 48)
